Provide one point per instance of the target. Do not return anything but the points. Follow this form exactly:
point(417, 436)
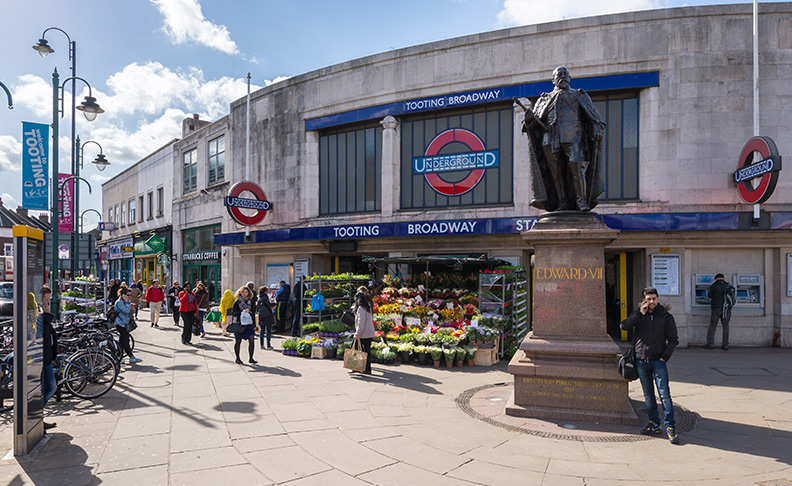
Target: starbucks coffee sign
point(201, 256)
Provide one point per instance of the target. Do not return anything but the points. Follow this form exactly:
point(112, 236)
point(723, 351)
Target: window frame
point(123, 214)
point(212, 158)
point(160, 201)
point(190, 183)
point(131, 209)
point(141, 212)
point(635, 132)
point(150, 205)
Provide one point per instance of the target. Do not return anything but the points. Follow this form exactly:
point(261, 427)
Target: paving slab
point(189, 415)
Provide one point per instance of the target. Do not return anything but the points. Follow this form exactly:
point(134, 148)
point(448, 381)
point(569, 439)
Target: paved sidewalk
point(190, 416)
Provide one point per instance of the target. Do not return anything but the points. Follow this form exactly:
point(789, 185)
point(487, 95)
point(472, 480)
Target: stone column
point(522, 175)
point(391, 139)
point(566, 366)
point(309, 175)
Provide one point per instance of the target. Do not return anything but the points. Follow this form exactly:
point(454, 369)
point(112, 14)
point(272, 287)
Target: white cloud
point(10, 154)
point(185, 21)
point(8, 200)
point(526, 12)
point(35, 94)
point(276, 80)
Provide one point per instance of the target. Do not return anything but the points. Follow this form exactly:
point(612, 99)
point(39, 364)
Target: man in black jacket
point(49, 384)
point(719, 310)
point(655, 340)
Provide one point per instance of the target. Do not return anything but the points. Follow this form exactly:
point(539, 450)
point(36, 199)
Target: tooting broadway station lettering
point(572, 273)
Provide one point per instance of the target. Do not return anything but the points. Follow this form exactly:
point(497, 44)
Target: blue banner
point(35, 166)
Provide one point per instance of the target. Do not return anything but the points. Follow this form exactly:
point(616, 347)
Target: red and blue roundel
point(474, 162)
point(765, 169)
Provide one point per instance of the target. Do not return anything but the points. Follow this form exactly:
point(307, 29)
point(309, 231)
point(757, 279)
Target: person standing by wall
point(174, 302)
point(49, 384)
point(282, 301)
point(188, 309)
point(721, 295)
point(202, 300)
point(297, 306)
point(155, 296)
point(655, 340)
point(123, 309)
point(266, 317)
point(364, 324)
point(242, 313)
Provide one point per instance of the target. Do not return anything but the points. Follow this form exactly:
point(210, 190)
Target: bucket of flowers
point(289, 346)
point(387, 356)
point(471, 355)
point(405, 350)
point(450, 354)
point(437, 353)
point(422, 352)
point(460, 356)
point(331, 348)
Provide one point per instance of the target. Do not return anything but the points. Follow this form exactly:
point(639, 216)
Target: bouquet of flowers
point(471, 353)
point(421, 349)
point(460, 354)
point(408, 347)
point(387, 356)
point(436, 352)
point(449, 353)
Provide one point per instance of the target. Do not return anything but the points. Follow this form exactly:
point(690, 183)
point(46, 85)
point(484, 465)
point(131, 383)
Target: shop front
point(152, 257)
point(120, 255)
point(201, 259)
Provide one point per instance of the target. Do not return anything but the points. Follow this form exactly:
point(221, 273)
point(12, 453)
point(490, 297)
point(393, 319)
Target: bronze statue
point(564, 133)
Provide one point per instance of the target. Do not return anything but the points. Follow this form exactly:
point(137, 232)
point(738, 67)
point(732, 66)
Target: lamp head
point(101, 162)
point(90, 108)
point(43, 48)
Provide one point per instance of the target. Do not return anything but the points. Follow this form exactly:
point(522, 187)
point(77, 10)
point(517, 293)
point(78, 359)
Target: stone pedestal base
point(566, 367)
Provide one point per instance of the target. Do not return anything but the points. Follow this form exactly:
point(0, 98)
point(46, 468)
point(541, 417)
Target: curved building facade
point(419, 151)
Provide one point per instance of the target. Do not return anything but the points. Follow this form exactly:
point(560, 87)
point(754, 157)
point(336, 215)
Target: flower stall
point(337, 294)
point(503, 294)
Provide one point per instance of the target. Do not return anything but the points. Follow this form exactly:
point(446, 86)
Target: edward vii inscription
point(574, 393)
point(570, 273)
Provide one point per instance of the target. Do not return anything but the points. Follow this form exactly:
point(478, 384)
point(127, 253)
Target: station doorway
point(620, 292)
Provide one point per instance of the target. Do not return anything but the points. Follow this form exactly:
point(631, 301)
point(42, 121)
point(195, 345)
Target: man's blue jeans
point(48, 383)
point(647, 370)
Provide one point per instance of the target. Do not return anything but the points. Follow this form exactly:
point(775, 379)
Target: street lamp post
point(90, 108)
point(8, 93)
point(88, 211)
point(101, 162)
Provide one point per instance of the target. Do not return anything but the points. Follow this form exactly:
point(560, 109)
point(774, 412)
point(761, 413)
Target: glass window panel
point(324, 175)
point(332, 158)
point(614, 176)
point(347, 182)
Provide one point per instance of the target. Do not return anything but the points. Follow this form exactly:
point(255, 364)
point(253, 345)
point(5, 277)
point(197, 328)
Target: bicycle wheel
point(131, 342)
point(90, 373)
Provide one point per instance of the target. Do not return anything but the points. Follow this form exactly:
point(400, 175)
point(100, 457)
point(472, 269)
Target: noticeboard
point(665, 274)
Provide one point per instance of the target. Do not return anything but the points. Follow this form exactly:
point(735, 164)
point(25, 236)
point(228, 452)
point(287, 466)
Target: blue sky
point(153, 62)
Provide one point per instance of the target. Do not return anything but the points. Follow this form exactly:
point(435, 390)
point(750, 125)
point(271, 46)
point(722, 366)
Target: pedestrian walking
point(266, 317)
point(123, 310)
point(226, 303)
point(155, 296)
point(49, 384)
point(282, 301)
point(174, 302)
point(134, 297)
point(655, 336)
point(722, 298)
point(202, 300)
point(189, 313)
point(242, 313)
point(364, 324)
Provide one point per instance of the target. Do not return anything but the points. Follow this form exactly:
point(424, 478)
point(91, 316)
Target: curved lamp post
point(101, 162)
point(88, 211)
point(8, 93)
point(88, 106)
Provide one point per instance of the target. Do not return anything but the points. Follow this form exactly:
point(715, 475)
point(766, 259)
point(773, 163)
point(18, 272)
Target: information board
point(665, 274)
point(276, 273)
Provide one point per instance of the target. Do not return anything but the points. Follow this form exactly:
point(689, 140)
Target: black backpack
point(729, 296)
point(111, 315)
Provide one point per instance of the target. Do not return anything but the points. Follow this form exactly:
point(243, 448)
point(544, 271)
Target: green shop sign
point(156, 243)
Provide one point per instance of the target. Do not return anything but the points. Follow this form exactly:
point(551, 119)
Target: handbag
point(348, 318)
point(628, 368)
point(355, 358)
point(235, 328)
point(132, 324)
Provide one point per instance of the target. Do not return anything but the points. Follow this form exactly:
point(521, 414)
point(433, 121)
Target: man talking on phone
point(656, 338)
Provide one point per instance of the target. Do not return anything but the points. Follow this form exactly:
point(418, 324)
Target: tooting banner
point(35, 165)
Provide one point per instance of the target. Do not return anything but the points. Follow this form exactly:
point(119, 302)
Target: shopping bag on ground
point(355, 357)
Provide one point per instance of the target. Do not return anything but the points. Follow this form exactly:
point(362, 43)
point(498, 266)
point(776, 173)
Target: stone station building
point(419, 151)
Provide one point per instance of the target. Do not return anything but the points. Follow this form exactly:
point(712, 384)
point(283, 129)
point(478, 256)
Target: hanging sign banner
point(35, 165)
point(65, 204)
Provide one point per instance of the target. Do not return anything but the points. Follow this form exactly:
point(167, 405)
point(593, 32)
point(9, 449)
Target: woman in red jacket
point(188, 309)
point(155, 296)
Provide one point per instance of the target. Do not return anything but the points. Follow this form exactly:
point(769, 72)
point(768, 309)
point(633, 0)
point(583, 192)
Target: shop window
point(131, 205)
point(123, 214)
point(140, 204)
point(160, 201)
point(350, 163)
point(8, 249)
point(115, 216)
point(429, 180)
point(199, 239)
point(150, 204)
point(217, 160)
point(110, 214)
point(190, 171)
point(621, 146)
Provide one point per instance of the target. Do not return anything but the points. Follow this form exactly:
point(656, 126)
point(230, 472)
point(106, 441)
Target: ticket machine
point(750, 290)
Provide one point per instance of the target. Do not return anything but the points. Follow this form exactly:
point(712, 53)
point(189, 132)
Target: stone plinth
point(566, 367)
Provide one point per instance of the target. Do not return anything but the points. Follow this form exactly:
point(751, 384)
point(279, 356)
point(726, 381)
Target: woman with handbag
point(122, 322)
point(266, 317)
point(189, 313)
point(364, 324)
point(243, 325)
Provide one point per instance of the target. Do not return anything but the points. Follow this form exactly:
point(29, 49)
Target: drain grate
point(685, 421)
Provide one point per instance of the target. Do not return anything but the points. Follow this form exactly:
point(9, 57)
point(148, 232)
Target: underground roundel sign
point(236, 203)
point(764, 170)
point(472, 163)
